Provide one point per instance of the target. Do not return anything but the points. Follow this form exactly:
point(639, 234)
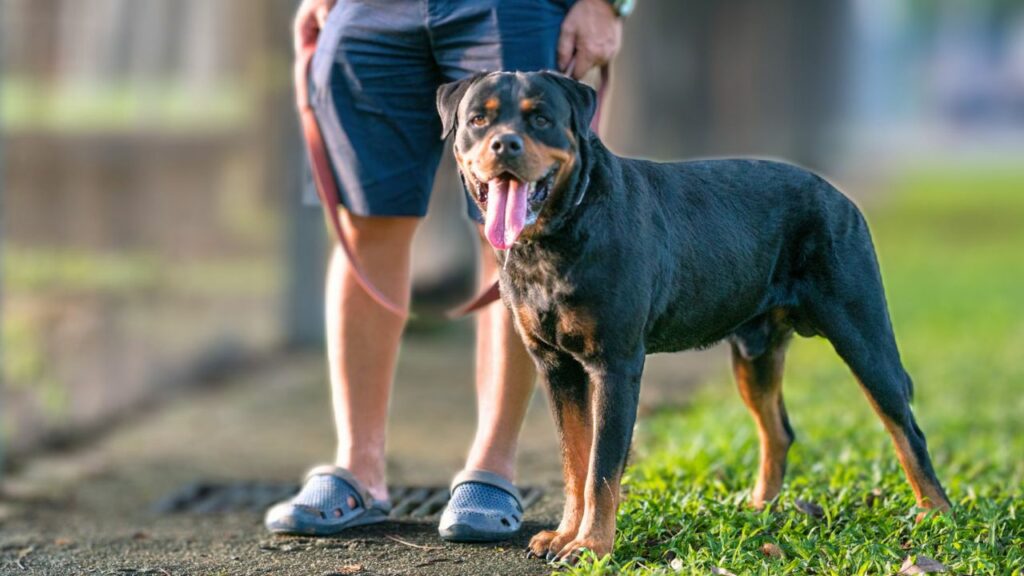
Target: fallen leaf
point(922, 565)
point(771, 550)
point(810, 508)
point(23, 554)
point(721, 571)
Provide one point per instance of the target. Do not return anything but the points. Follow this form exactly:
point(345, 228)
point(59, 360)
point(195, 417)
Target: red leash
point(327, 187)
point(323, 176)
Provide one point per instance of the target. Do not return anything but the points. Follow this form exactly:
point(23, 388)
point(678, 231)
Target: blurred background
point(152, 235)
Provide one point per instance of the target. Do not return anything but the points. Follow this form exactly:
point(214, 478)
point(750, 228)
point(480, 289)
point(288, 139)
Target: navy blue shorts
point(374, 77)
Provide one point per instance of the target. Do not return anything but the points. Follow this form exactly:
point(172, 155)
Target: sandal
point(330, 501)
point(484, 507)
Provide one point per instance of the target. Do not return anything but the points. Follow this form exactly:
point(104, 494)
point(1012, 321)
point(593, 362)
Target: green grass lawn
point(951, 245)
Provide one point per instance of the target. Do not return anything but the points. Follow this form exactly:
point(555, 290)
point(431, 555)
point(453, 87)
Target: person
point(373, 80)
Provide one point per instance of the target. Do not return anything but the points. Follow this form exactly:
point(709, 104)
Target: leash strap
point(606, 77)
point(327, 186)
point(323, 176)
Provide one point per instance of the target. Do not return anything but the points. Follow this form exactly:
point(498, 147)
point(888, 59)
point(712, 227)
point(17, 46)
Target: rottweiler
point(607, 259)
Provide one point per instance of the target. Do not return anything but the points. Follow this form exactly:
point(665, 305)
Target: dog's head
point(518, 139)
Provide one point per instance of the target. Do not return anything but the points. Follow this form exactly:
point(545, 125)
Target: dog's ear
point(448, 98)
point(582, 98)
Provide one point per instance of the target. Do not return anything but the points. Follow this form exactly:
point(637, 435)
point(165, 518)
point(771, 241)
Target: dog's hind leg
point(875, 362)
point(568, 392)
point(852, 314)
point(759, 379)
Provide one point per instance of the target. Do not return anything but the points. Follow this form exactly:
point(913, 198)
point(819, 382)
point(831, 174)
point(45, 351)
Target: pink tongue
point(506, 212)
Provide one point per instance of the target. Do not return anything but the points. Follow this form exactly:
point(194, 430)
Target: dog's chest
point(548, 310)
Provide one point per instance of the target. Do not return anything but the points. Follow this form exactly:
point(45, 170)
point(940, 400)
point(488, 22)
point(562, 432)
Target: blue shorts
point(374, 77)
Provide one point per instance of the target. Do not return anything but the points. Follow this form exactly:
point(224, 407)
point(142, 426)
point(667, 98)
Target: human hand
point(592, 33)
point(309, 20)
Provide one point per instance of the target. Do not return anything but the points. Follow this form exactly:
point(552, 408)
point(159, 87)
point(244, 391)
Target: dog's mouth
point(511, 204)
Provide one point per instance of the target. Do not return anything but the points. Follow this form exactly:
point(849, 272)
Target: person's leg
point(467, 38)
point(363, 340)
point(362, 346)
point(373, 82)
point(504, 382)
point(373, 94)
point(491, 35)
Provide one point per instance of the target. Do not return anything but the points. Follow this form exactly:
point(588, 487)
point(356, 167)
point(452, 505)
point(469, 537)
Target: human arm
point(591, 34)
point(309, 20)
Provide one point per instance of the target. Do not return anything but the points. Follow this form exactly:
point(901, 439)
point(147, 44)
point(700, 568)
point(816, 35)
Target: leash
point(323, 176)
point(606, 77)
point(327, 186)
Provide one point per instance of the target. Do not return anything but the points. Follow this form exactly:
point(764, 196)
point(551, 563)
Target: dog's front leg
point(613, 404)
point(568, 391)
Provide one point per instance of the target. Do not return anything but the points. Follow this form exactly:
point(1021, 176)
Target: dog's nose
point(507, 145)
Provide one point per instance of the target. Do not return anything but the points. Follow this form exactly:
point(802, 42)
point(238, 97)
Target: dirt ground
point(90, 511)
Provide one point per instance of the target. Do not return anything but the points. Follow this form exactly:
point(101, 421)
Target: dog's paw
point(538, 546)
point(545, 544)
point(571, 552)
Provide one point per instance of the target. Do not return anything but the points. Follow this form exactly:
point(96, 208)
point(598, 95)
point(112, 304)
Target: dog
point(607, 259)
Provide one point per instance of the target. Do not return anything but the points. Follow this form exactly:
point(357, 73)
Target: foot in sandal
point(331, 500)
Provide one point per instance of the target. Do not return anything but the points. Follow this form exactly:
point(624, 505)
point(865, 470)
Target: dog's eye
point(540, 121)
point(478, 120)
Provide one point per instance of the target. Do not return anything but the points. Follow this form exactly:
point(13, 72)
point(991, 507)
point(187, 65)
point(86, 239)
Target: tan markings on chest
point(577, 331)
point(573, 330)
point(529, 325)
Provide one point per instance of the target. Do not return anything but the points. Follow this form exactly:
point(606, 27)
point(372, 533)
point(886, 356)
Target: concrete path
point(90, 511)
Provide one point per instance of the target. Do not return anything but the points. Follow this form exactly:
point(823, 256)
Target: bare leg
point(504, 383)
point(363, 339)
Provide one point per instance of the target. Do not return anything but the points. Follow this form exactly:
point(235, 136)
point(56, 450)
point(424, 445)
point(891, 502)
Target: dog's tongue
point(506, 211)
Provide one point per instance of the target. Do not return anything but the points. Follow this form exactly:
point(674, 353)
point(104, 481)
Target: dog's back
point(736, 236)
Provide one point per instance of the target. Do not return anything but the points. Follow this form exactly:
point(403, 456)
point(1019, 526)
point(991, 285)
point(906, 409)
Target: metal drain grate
point(226, 497)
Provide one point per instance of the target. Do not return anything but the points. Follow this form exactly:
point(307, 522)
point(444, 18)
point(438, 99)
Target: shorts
point(375, 74)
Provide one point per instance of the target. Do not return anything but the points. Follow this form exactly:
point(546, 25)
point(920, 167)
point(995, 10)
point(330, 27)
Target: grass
point(62, 271)
point(951, 245)
point(27, 105)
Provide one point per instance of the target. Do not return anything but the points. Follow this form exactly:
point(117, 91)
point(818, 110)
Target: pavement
point(91, 510)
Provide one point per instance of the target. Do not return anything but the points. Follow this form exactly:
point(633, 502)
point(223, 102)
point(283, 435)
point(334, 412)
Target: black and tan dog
point(608, 259)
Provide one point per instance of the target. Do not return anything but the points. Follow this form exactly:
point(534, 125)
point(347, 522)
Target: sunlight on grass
point(27, 105)
point(951, 245)
point(36, 271)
